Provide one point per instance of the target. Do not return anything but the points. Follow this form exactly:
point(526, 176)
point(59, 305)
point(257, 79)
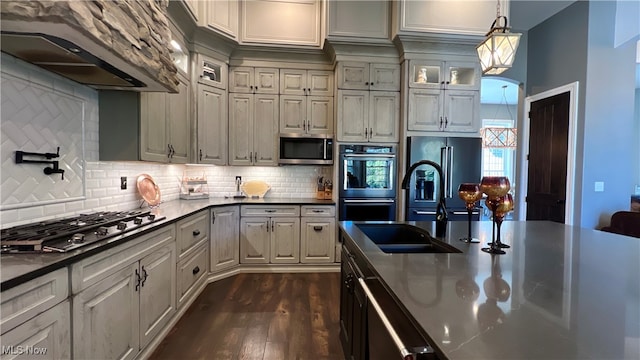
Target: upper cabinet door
point(384, 77)
point(290, 22)
point(353, 75)
point(461, 17)
point(358, 19)
point(320, 83)
point(241, 80)
point(266, 81)
point(293, 81)
point(222, 16)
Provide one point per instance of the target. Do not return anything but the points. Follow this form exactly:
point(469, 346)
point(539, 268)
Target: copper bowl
point(495, 186)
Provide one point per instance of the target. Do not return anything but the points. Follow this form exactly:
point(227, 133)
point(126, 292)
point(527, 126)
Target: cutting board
point(255, 188)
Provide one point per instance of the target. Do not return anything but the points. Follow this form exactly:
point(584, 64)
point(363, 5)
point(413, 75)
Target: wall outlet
point(598, 186)
point(123, 183)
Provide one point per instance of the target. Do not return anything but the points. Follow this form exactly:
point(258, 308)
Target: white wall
point(102, 179)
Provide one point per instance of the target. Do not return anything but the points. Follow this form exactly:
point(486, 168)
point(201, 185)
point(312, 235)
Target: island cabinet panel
point(46, 336)
point(291, 22)
point(358, 19)
point(225, 238)
point(353, 309)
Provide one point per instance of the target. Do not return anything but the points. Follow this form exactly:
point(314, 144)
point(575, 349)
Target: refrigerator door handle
point(450, 160)
point(444, 161)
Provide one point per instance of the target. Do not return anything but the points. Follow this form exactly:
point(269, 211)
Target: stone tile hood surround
point(131, 36)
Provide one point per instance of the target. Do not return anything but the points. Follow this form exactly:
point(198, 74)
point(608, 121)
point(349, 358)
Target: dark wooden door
point(548, 146)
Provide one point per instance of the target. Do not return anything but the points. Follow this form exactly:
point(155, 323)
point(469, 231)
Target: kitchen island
point(559, 292)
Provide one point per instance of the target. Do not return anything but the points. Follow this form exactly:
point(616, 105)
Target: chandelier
point(498, 50)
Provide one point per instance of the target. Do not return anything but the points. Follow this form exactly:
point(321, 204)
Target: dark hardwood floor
point(260, 316)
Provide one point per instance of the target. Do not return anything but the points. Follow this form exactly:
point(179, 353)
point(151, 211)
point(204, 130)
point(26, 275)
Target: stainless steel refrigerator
point(460, 159)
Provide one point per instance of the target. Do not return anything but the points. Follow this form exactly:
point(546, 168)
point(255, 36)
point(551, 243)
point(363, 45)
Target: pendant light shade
point(498, 50)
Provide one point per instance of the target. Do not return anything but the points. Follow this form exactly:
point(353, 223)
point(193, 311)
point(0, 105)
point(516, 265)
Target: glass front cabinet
point(458, 75)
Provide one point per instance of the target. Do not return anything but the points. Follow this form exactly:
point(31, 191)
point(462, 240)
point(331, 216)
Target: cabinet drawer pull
point(196, 232)
point(317, 228)
point(270, 210)
point(196, 270)
point(317, 211)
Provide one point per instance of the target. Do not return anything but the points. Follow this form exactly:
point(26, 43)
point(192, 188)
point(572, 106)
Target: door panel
point(548, 146)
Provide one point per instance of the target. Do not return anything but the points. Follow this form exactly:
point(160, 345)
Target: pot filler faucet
point(441, 209)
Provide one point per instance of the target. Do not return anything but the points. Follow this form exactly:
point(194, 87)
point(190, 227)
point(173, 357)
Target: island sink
point(404, 238)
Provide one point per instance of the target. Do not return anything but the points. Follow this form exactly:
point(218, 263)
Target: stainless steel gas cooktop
point(62, 235)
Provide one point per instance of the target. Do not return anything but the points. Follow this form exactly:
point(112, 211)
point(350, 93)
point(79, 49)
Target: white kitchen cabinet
point(253, 129)
point(358, 19)
point(193, 8)
point(318, 235)
point(165, 125)
point(306, 82)
point(306, 101)
point(300, 114)
point(36, 314)
point(368, 116)
point(443, 95)
point(210, 72)
point(266, 240)
point(249, 80)
point(463, 17)
point(270, 234)
point(443, 110)
point(225, 238)
point(291, 22)
point(191, 232)
point(221, 16)
point(213, 125)
point(46, 336)
point(192, 273)
point(124, 297)
point(368, 76)
point(444, 75)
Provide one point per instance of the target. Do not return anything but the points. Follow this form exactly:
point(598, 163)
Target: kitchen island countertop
point(559, 292)
point(18, 268)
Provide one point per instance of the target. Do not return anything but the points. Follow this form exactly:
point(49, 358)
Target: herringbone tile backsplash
point(43, 111)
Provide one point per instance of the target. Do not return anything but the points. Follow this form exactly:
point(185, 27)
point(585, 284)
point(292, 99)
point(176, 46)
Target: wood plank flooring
point(260, 316)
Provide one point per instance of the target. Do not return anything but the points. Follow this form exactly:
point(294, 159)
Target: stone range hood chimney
point(105, 44)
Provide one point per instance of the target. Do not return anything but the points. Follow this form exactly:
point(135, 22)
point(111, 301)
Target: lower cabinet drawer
point(191, 272)
point(33, 297)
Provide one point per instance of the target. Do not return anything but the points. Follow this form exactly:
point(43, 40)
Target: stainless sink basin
point(404, 238)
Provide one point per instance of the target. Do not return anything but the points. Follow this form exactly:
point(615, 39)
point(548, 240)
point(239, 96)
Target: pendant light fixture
point(498, 50)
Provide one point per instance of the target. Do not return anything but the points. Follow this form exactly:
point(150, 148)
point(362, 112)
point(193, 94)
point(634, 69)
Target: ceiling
point(524, 15)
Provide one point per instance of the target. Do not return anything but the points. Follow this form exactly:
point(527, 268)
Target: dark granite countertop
point(18, 268)
point(559, 292)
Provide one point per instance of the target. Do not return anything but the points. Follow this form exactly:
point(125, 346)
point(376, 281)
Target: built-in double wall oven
point(367, 182)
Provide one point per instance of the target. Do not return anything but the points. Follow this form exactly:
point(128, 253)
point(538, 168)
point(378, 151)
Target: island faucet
point(441, 209)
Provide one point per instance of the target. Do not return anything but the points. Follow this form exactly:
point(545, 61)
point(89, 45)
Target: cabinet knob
point(371, 84)
point(196, 232)
point(367, 83)
point(196, 270)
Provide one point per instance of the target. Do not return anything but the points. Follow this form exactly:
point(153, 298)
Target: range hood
point(66, 59)
point(115, 45)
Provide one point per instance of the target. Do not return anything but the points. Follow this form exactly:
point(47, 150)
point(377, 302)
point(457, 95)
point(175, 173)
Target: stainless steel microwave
point(305, 149)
